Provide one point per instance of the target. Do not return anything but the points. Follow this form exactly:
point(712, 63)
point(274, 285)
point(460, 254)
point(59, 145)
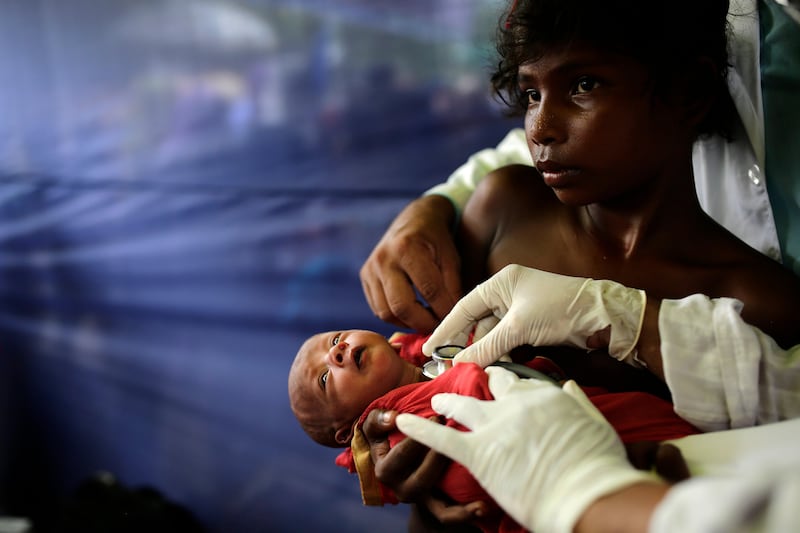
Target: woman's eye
point(532, 95)
point(585, 85)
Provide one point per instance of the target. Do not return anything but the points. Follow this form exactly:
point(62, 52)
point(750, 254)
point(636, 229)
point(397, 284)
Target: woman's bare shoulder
point(506, 200)
point(771, 296)
point(513, 185)
point(716, 263)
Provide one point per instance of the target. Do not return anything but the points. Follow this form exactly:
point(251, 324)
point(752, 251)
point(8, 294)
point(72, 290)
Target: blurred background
point(188, 189)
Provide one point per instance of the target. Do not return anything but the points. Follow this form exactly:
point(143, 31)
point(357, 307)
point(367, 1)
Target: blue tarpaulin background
point(188, 189)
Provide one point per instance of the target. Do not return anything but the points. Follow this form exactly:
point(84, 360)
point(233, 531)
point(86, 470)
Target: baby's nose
point(336, 353)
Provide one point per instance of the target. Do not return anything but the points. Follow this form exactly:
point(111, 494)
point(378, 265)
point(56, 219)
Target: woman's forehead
point(577, 54)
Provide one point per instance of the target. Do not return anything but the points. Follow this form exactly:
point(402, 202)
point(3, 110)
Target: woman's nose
point(336, 353)
point(544, 124)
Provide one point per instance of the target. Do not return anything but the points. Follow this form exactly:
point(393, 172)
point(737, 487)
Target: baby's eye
point(585, 84)
point(335, 340)
point(533, 96)
point(323, 379)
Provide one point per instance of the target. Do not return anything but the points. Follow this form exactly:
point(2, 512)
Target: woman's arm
point(417, 253)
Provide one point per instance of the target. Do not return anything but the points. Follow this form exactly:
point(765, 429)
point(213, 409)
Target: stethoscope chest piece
point(442, 360)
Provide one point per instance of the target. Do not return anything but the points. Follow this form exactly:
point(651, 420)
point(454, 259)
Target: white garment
point(729, 176)
point(513, 149)
point(722, 372)
point(761, 494)
point(744, 480)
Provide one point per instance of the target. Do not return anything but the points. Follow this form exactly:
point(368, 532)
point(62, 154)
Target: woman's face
point(594, 128)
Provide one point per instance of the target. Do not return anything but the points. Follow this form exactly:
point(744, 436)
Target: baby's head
point(336, 375)
point(682, 44)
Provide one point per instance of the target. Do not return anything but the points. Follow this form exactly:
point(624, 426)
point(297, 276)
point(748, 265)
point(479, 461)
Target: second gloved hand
point(521, 305)
point(543, 453)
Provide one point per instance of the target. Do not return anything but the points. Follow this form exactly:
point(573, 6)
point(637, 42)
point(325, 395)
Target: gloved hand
point(521, 305)
point(543, 453)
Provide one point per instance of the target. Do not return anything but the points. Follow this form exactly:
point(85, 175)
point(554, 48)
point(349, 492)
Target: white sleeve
point(760, 495)
point(722, 372)
point(461, 183)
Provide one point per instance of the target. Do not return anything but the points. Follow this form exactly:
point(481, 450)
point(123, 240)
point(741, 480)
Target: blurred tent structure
point(211, 26)
point(187, 190)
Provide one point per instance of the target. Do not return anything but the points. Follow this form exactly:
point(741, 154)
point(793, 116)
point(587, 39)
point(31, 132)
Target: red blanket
point(636, 416)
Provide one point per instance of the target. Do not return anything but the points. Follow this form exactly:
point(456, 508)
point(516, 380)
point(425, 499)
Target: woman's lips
point(555, 174)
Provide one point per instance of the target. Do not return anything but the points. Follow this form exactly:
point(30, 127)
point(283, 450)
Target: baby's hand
point(411, 469)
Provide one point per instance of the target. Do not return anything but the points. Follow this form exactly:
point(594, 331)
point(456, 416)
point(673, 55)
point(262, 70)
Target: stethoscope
point(442, 360)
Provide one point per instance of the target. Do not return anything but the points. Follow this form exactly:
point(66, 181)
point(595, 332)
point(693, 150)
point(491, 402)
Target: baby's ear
point(345, 434)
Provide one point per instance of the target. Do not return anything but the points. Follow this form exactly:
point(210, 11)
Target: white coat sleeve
point(759, 495)
point(722, 372)
point(513, 149)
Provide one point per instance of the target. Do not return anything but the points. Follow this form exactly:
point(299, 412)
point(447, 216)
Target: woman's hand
point(415, 255)
point(666, 459)
point(412, 469)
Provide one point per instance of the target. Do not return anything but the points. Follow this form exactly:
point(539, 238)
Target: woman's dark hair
point(668, 38)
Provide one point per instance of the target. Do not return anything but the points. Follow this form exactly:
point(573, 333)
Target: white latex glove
point(543, 453)
point(521, 305)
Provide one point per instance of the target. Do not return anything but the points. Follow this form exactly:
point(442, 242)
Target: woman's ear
point(344, 434)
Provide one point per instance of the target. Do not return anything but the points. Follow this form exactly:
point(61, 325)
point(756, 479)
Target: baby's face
point(342, 372)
